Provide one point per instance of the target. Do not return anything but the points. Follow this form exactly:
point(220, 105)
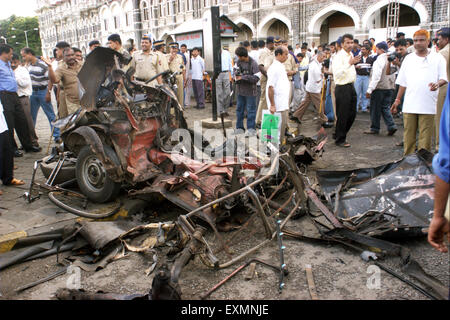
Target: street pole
point(217, 63)
point(26, 37)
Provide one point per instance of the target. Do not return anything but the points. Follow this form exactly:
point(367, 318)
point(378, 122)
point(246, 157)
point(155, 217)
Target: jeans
point(37, 100)
point(380, 104)
point(361, 85)
point(246, 103)
point(329, 103)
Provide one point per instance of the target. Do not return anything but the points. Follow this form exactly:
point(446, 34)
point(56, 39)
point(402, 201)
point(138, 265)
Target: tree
point(13, 30)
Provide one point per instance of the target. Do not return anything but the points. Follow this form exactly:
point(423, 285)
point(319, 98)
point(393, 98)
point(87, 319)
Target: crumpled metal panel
point(403, 191)
point(93, 73)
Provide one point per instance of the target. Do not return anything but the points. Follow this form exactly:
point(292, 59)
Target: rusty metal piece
point(327, 213)
point(239, 269)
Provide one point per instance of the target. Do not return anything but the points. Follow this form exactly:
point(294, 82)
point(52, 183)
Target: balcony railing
point(282, 2)
point(265, 3)
point(247, 6)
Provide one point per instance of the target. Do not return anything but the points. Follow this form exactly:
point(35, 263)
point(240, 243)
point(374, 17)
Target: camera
point(237, 72)
point(393, 56)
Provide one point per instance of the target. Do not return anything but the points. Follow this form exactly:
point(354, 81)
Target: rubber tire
point(110, 188)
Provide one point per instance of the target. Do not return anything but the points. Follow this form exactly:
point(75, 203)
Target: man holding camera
point(246, 77)
point(395, 62)
point(380, 91)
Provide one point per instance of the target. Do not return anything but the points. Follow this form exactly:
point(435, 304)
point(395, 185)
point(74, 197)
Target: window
point(105, 24)
point(145, 9)
point(128, 19)
point(116, 22)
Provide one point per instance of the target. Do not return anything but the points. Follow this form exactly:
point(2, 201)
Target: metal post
point(26, 38)
point(217, 63)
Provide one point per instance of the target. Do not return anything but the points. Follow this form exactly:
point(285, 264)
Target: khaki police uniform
point(174, 66)
point(290, 65)
point(265, 58)
point(146, 65)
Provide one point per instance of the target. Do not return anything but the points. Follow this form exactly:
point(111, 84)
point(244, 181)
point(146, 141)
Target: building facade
point(319, 21)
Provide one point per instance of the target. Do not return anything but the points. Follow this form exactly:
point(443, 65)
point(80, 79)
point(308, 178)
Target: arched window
point(145, 10)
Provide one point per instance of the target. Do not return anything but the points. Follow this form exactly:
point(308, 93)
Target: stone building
point(319, 21)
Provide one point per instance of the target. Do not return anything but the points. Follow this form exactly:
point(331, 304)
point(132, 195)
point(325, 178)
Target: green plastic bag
point(270, 127)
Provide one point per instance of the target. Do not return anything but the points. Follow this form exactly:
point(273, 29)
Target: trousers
point(223, 91)
point(16, 119)
point(38, 100)
point(380, 104)
point(345, 110)
point(199, 93)
point(361, 85)
point(413, 122)
point(6, 158)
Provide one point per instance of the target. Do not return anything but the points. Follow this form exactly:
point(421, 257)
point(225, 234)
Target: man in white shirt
point(344, 75)
point(298, 49)
point(421, 75)
point(24, 91)
point(197, 71)
point(380, 91)
point(278, 88)
point(313, 88)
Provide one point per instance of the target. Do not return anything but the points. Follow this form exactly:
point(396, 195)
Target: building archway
point(417, 6)
point(319, 18)
point(409, 22)
point(245, 33)
point(275, 22)
point(335, 26)
point(248, 29)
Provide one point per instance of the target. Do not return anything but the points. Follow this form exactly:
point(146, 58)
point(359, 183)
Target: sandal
point(344, 145)
point(17, 182)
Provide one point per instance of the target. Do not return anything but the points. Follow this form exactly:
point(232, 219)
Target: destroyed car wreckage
point(127, 136)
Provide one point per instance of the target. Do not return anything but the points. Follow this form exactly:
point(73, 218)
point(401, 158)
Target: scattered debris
point(123, 139)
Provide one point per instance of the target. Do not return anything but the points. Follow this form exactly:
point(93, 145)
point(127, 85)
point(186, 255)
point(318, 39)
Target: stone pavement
point(17, 214)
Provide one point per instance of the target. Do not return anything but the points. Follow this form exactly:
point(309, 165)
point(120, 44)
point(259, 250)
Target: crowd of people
point(392, 78)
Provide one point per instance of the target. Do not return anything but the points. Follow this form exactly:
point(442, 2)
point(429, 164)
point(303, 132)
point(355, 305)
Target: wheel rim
point(94, 174)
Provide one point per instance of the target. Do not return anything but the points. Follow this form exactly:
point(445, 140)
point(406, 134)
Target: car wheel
point(92, 178)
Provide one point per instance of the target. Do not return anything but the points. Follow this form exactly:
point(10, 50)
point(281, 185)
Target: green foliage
point(20, 24)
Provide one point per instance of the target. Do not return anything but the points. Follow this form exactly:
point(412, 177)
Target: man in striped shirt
point(39, 79)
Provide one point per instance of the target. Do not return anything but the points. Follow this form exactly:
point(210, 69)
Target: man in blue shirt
point(440, 224)
point(13, 111)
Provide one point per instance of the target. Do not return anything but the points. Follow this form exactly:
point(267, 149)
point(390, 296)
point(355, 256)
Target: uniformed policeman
point(162, 62)
point(291, 69)
point(145, 62)
point(176, 63)
point(266, 58)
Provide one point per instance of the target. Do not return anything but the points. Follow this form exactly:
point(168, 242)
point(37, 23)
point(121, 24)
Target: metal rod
point(272, 168)
point(48, 278)
point(395, 274)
